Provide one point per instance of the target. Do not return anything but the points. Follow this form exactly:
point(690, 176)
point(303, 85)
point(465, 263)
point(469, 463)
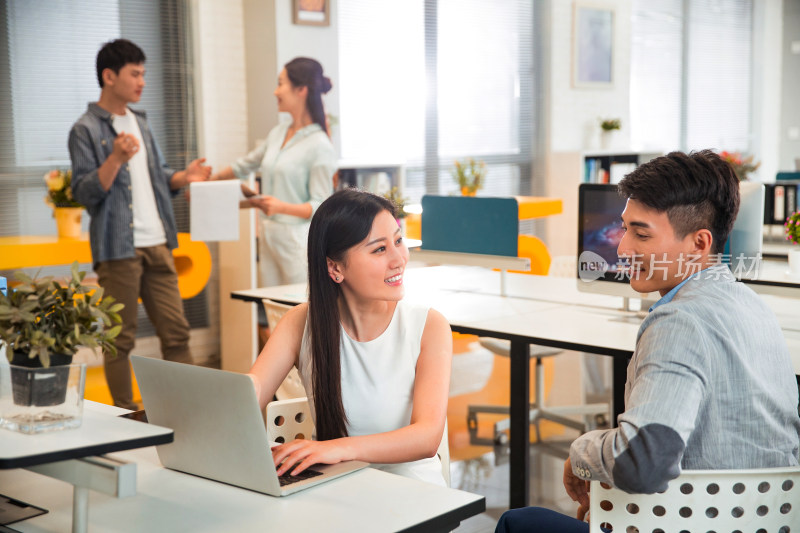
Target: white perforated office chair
point(291, 387)
point(592, 414)
point(288, 420)
point(761, 500)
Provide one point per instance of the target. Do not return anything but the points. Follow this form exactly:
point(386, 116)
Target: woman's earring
point(337, 279)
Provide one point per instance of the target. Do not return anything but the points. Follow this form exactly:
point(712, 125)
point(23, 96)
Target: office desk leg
point(519, 441)
point(80, 509)
point(102, 473)
point(620, 372)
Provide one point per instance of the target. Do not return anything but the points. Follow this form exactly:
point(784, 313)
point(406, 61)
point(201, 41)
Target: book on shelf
point(594, 171)
point(782, 198)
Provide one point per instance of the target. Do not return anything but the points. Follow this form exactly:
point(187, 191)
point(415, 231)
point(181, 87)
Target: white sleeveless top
point(378, 383)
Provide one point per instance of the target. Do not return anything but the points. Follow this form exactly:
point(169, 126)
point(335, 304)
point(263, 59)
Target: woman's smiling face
point(374, 268)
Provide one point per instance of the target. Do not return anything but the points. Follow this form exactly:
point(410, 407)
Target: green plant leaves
point(41, 316)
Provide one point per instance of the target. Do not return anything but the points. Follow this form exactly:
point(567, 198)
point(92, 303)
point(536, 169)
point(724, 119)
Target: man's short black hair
point(698, 190)
point(115, 55)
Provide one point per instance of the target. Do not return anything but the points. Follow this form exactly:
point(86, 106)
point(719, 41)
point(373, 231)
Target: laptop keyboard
point(288, 479)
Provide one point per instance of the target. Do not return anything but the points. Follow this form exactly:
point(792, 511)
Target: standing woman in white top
point(376, 369)
point(297, 163)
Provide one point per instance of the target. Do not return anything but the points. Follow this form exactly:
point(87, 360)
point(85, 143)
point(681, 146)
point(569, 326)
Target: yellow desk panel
point(42, 250)
point(192, 259)
point(538, 206)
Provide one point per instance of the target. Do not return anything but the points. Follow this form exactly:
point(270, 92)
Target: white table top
point(101, 431)
point(542, 307)
point(166, 500)
point(546, 309)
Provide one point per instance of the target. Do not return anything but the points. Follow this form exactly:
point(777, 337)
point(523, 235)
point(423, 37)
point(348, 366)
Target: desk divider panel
point(470, 225)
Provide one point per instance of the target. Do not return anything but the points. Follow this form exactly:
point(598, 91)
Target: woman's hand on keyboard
point(301, 454)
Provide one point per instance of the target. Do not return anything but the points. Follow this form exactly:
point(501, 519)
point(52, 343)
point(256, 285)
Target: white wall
point(789, 131)
point(222, 110)
point(573, 122)
point(574, 112)
point(767, 74)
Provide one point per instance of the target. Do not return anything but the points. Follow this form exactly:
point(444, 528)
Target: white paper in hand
point(214, 210)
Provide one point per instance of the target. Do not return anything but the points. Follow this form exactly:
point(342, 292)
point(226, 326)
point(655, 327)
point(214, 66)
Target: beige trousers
point(151, 276)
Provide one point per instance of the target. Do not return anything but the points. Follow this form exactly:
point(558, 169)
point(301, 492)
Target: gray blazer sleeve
point(665, 389)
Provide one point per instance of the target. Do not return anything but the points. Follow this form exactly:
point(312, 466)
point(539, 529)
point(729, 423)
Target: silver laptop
point(219, 427)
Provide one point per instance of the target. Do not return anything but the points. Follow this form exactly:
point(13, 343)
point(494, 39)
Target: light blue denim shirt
point(710, 386)
point(671, 294)
point(298, 173)
point(91, 141)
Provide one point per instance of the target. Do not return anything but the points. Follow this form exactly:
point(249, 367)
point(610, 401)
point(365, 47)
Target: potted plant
point(792, 229)
point(742, 165)
point(66, 210)
point(608, 126)
point(469, 175)
point(399, 201)
point(400, 204)
point(42, 325)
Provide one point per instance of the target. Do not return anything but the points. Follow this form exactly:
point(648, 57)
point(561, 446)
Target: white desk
point(101, 432)
point(546, 311)
point(773, 278)
point(70, 456)
point(166, 500)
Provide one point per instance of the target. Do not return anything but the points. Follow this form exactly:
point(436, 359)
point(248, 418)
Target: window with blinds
point(51, 79)
point(691, 66)
point(431, 81)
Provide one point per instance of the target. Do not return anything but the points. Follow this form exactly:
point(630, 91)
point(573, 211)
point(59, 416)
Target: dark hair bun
point(326, 84)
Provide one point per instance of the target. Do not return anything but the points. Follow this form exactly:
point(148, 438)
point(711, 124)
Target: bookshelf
point(565, 171)
point(781, 199)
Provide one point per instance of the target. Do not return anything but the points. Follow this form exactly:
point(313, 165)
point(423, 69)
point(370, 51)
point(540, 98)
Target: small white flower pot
point(794, 262)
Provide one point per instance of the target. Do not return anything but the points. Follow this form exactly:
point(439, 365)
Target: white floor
point(488, 474)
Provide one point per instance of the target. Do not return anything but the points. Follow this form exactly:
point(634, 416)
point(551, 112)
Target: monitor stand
point(637, 313)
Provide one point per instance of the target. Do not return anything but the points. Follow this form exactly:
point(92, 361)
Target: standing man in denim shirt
point(119, 174)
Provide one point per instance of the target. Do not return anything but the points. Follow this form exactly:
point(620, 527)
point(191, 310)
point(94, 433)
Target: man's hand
point(577, 488)
point(197, 171)
point(125, 146)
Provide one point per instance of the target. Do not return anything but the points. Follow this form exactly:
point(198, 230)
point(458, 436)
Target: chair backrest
point(288, 420)
point(705, 500)
point(292, 386)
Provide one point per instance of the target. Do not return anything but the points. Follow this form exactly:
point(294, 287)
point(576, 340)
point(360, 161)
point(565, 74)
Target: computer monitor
point(747, 237)
point(599, 231)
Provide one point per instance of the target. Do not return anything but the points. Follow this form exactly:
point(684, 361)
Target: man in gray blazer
point(710, 384)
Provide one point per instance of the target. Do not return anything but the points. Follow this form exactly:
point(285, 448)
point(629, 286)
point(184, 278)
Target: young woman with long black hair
point(376, 369)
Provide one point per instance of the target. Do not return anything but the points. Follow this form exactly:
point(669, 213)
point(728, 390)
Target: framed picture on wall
point(311, 12)
point(592, 45)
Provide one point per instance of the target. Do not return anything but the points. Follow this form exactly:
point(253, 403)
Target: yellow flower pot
point(68, 222)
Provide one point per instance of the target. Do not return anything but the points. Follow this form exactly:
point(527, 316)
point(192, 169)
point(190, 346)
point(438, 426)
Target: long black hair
point(342, 221)
point(307, 72)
